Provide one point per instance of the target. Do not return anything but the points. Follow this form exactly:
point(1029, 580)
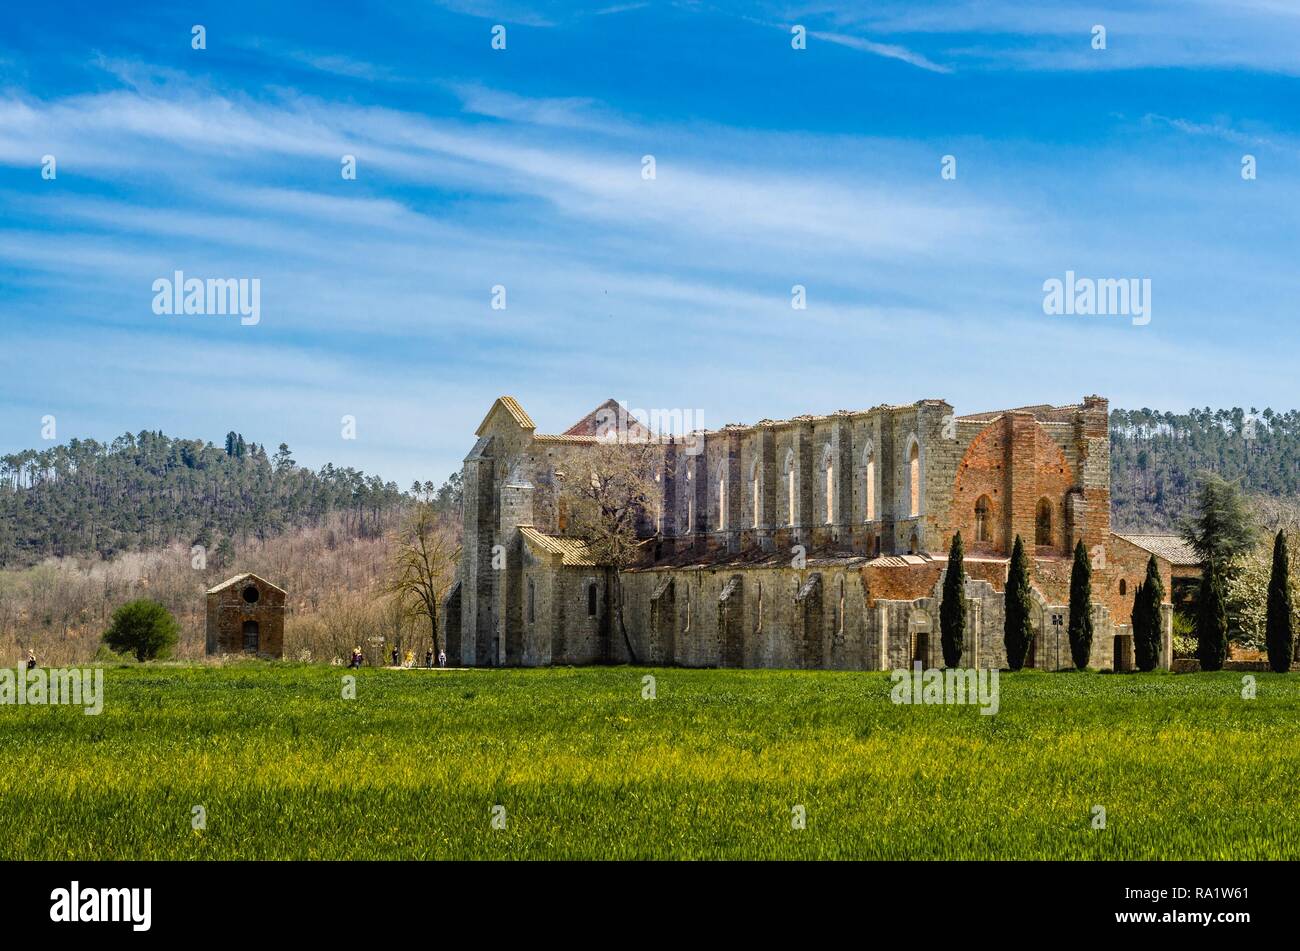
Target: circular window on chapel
point(251, 594)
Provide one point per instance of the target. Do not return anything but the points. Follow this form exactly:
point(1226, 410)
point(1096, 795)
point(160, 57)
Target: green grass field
point(585, 768)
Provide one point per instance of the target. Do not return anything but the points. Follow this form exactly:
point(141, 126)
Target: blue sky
point(523, 167)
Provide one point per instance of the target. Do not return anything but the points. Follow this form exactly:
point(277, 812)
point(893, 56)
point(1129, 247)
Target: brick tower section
point(1022, 479)
point(1092, 429)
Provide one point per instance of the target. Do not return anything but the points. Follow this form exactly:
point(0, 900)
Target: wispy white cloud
point(1007, 34)
point(376, 290)
point(888, 50)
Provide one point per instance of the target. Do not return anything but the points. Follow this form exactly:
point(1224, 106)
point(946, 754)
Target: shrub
point(144, 628)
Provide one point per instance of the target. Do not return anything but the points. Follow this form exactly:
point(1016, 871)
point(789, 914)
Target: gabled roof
point(590, 424)
point(1170, 548)
point(246, 575)
point(573, 552)
point(511, 406)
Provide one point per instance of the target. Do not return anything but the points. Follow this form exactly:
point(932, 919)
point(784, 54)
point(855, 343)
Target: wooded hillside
point(1154, 459)
point(146, 491)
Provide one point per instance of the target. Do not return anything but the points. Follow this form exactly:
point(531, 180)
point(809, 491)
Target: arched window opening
point(1043, 523)
point(789, 487)
point(914, 478)
point(1123, 586)
point(753, 489)
point(983, 530)
point(828, 463)
point(690, 501)
point(871, 485)
point(532, 601)
point(722, 497)
point(659, 513)
point(913, 545)
point(591, 600)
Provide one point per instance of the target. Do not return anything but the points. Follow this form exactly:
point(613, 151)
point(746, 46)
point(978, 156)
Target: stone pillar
point(1166, 636)
point(668, 496)
point(769, 483)
point(805, 475)
point(735, 494)
point(842, 448)
point(886, 504)
point(476, 573)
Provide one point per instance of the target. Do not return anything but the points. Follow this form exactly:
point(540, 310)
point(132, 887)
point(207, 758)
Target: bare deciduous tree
point(610, 493)
point(423, 567)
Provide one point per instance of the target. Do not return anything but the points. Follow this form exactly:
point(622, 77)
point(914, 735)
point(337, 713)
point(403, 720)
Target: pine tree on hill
point(1154, 456)
point(1221, 526)
point(146, 490)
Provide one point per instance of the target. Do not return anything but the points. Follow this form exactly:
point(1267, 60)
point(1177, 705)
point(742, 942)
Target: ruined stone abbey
point(812, 542)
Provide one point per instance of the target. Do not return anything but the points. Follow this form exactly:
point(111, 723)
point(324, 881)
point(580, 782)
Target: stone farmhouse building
point(814, 542)
point(246, 616)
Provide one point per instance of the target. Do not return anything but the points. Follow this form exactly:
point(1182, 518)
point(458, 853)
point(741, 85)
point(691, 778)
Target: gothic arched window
point(914, 478)
point(1043, 523)
point(983, 529)
point(789, 487)
point(870, 477)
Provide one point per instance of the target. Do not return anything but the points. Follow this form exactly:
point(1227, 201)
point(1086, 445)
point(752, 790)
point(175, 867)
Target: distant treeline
point(1154, 459)
point(148, 490)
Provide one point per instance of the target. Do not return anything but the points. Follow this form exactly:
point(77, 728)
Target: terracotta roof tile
point(1171, 548)
point(573, 551)
point(511, 406)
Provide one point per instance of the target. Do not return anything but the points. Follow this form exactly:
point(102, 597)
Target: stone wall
point(719, 591)
point(250, 601)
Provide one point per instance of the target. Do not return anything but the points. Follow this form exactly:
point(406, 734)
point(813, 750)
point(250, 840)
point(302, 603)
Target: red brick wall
point(1128, 563)
point(1014, 462)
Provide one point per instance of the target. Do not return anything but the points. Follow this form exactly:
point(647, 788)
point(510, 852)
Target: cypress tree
point(952, 611)
point(1146, 636)
point(1016, 632)
point(1278, 632)
point(1138, 620)
point(1080, 607)
point(1211, 620)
